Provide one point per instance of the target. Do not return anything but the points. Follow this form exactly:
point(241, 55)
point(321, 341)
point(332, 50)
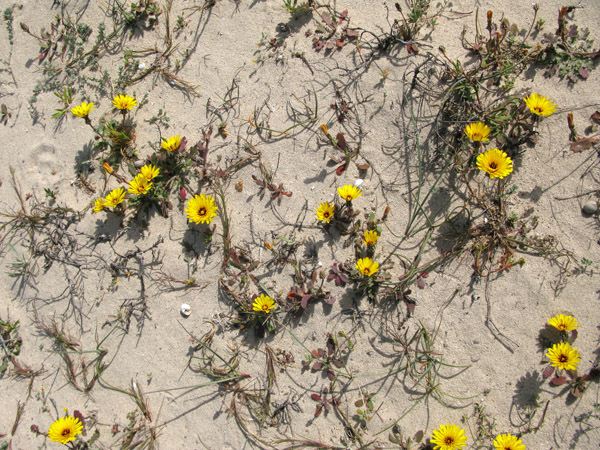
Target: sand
point(117, 283)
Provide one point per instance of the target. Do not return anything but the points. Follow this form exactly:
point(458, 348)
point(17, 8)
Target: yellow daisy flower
point(124, 102)
point(83, 110)
point(325, 212)
point(65, 429)
point(349, 192)
point(139, 185)
point(367, 266)
point(448, 437)
point(150, 171)
point(495, 162)
point(99, 205)
point(115, 197)
point(508, 442)
point(540, 105)
point(563, 356)
point(478, 131)
point(563, 323)
point(201, 209)
point(371, 237)
point(263, 303)
point(171, 144)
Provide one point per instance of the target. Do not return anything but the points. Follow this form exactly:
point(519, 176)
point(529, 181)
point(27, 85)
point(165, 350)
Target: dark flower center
point(326, 215)
point(349, 198)
point(538, 109)
point(202, 212)
point(66, 432)
point(563, 358)
point(493, 165)
point(449, 440)
point(366, 271)
point(265, 307)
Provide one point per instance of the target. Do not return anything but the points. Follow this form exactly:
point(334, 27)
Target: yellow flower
point(171, 144)
point(563, 356)
point(349, 192)
point(325, 212)
point(65, 429)
point(139, 185)
point(263, 303)
point(115, 197)
point(540, 105)
point(508, 442)
point(99, 205)
point(563, 323)
point(150, 171)
point(478, 131)
point(367, 266)
point(124, 102)
point(495, 162)
point(201, 209)
point(371, 237)
point(448, 437)
point(106, 166)
point(83, 110)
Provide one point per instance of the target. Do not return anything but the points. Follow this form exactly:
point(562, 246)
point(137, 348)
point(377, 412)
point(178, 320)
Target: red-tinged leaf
point(557, 381)
point(318, 410)
point(316, 397)
point(343, 277)
point(318, 365)
point(305, 299)
point(353, 34)
point(410, 307)
point(424, 275)
point(316, 354)
point(340, 170)
point(313, 278)
point(337, 363)
point(577, 391)
point(182, 145)
point(419, 436)
point(412, 48)
point(77, 414)
point(548, 371)
point(330, 345)
point(595, 117)
point(182, 194)
point(341, 141)
point(585, 143)
point(330, 300)
point(364, 166)
point(420, 283)
point(584, 73)
point(340, 43)
point(331, 375)
point(343, 16)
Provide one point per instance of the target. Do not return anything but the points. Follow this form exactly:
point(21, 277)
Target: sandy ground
point(491, 329)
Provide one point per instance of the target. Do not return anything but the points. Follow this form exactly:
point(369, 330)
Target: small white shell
point(358, 183)
point(141, 66)
point(185, 309)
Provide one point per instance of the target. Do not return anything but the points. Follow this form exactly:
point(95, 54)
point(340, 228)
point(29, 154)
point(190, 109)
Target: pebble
point(590, 207)
point(139, 164)
point(185, 310)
